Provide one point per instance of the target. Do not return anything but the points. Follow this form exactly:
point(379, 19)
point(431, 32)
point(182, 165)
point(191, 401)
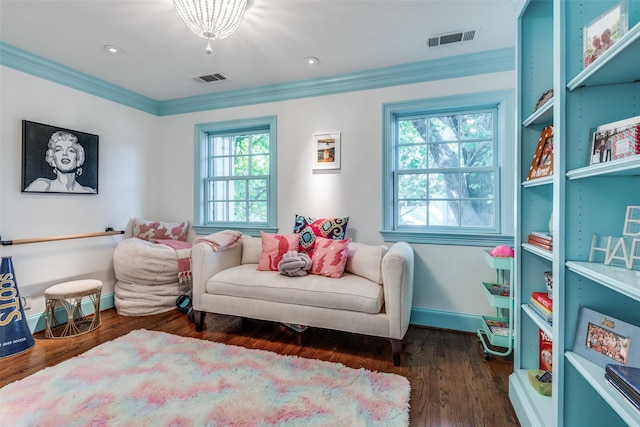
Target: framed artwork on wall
point(58, 160)
point(542, 163)
point(326, 151)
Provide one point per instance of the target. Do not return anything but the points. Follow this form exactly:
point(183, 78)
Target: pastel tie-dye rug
point(148, 378)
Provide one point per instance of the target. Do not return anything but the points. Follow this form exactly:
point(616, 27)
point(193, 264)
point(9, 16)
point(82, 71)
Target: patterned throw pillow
point(150, 230)
point(311, 228)
point(330, 257)
point(274, 246)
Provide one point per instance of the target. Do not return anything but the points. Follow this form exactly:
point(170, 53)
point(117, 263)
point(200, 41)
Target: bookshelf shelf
point(613, 66)
point(542, 253)
point(594, 374)
point(542, 116)
point(540, 322)
point(621, 280)
point(537, 406)
point(624, 167)
point(547, 180)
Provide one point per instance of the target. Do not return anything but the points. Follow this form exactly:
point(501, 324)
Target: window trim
point(201, 135)
point(503, 101)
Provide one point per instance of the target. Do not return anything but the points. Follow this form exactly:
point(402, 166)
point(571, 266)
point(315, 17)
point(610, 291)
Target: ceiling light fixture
point(311, 60)
point(111, 48)
point(211, 19)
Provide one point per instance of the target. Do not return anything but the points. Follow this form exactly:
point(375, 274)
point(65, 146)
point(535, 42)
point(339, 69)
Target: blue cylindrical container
point(15, 336)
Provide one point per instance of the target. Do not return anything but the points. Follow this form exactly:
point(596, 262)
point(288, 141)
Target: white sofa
point(373, 297)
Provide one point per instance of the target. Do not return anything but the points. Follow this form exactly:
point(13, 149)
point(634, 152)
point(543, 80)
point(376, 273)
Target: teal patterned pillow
point(310, 228)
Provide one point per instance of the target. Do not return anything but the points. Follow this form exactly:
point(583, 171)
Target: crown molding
point(38, 66)
point(438, 69)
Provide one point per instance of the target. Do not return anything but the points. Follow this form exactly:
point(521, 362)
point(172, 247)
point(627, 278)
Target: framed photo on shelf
point(326, 151)
point(616, 140)
point(600, 147)
point(604, 32)
point(602, 339)
point(542, 163)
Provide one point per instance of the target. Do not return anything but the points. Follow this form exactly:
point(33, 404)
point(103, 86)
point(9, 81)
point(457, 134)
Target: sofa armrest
point(205, 262)
point(397, 277)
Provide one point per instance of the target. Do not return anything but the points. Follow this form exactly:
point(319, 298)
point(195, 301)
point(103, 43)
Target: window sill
point(487, 240)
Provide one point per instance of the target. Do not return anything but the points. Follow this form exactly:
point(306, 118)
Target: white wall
point(125, 140)
point(146, 169)
point(448, 278)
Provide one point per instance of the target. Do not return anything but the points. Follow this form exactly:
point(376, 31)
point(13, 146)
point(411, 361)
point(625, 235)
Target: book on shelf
point(540, 240)
point(546, 351)
point(543, 298)
point(543, 235)
point(498, 327)
point(537, 308)
point(634, 402)
point(542, 245)
point(627, 377)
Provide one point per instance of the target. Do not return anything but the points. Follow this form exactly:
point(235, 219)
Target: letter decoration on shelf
point(626, 249)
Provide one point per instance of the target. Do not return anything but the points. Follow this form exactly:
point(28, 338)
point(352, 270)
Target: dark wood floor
point(451, 383)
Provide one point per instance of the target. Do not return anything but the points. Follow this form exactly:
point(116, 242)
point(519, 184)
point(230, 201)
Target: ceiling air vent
point(455, 37)
point(210, 78)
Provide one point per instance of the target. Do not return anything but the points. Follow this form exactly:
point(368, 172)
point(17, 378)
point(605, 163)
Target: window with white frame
point(442, 170)
point(236, 175)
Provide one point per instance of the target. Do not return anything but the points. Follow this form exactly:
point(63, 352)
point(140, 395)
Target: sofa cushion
point(274, 246)
point(330, 257)
point(366, 261)
point(251, 250)
point(350, 292)
point(309, 228)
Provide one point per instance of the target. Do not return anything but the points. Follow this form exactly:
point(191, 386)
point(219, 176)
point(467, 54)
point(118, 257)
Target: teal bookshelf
point(582, 200)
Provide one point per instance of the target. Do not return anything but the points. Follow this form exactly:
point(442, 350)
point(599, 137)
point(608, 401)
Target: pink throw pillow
point(330, 257)
point(274, 246)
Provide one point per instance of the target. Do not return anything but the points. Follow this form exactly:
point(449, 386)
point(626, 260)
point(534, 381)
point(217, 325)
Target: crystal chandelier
point(211, 19)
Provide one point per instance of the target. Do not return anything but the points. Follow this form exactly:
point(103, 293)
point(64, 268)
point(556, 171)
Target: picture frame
point(602, 339)
point(616, 140)
point(600, 151)
point(326, 151)
point(58, 160)
point(542, 163)
point(604, 32)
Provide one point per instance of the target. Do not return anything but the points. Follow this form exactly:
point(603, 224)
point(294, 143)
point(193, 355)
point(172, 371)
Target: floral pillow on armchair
point(159, 230)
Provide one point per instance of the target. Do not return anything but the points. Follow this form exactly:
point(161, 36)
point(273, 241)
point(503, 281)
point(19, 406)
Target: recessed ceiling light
point(113, 49)
point(311, 60)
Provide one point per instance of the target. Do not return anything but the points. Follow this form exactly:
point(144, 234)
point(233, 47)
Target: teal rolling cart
point(498, 330)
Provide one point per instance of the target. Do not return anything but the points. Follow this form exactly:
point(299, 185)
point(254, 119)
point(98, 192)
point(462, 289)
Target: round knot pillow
point(294, 264)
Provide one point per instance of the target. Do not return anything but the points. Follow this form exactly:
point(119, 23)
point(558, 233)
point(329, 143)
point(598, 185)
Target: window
point(441, 167)
point(236, 175)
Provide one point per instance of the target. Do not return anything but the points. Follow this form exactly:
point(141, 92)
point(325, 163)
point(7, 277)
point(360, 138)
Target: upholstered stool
point(70, 296)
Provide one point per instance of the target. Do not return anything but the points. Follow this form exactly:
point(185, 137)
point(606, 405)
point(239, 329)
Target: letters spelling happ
point(9, 293)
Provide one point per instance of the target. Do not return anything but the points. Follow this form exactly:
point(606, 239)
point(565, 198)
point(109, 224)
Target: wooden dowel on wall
point(107, 232)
